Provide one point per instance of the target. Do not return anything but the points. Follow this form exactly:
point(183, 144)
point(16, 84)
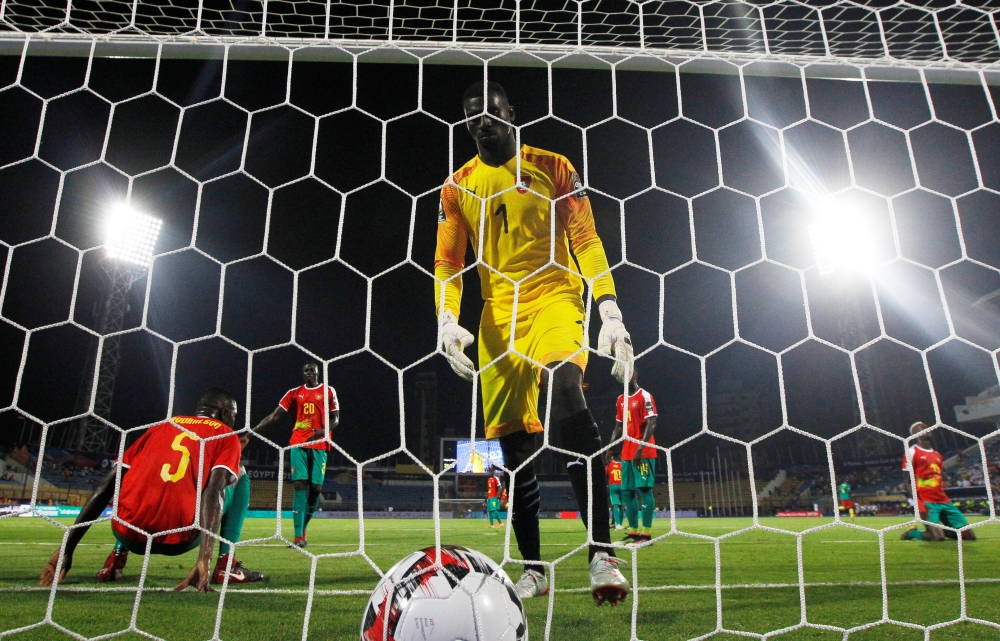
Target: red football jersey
point(640, 407)
point(493, 488)
point(162, 485)
point(927, 470)
point(614, 470)
point(307, 403)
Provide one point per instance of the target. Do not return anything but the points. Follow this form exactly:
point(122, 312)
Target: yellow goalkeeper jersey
point(517, 228)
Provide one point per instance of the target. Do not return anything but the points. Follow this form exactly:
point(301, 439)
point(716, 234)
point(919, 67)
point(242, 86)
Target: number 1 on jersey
point(502, 211)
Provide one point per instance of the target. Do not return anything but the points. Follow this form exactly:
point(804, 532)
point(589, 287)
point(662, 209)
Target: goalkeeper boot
point(114, 567)
point(607, 583)
point(531, 584)
point(238, 573)
point(300, 542)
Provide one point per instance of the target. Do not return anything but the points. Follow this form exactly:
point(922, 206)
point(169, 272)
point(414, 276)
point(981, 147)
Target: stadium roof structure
point(938, 32)
point(982, 408)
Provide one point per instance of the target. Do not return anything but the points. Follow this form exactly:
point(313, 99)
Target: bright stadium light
point(131, 236)
point(840, 241)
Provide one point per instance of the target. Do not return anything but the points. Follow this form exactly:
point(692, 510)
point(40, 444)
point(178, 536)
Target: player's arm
point(647, 434)
point(578, 219)
point(269, 420)
point(92, 509)
point(449, 261)
point(211, 517)
point(615, 435)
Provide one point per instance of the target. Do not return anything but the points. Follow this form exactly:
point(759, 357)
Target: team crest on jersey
point(441, 216)
point(578, 186)
point(524, 184)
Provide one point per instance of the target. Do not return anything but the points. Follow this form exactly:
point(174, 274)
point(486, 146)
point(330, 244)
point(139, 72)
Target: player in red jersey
point(933, 504)
point(162, 475)
point(614, 472)
point(308, 461)
point(493, 489)
point(638, 462)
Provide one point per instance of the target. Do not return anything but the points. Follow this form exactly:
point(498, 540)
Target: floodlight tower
point(130, 238)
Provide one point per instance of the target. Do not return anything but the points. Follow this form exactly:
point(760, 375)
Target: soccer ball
point(465, 598)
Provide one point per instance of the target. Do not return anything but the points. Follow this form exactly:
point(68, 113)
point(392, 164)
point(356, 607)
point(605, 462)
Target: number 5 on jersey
point(182, 466)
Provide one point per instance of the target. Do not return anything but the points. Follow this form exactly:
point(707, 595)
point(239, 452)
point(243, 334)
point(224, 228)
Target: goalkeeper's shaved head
point(490, 116)
point(475, 90)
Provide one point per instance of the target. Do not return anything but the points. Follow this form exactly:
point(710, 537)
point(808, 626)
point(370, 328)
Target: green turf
point(756, 567)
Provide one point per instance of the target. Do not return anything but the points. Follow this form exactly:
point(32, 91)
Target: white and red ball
point(467, 597)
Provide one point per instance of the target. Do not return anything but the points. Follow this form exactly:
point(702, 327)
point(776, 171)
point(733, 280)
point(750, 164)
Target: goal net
point(799, 201)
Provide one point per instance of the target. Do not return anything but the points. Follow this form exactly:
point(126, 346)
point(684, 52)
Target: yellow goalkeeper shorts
point(553, 334)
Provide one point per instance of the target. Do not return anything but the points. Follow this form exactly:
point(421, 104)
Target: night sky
point(219, 221)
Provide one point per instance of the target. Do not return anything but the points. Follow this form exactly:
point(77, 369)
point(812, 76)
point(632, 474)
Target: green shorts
point(945, 514)
point(616, 494)
point(174, 549)
point(636, 476)
point(308, 465)
point(493, 505)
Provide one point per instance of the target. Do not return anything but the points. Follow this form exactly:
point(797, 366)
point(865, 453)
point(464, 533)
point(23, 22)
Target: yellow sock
point(852, 513)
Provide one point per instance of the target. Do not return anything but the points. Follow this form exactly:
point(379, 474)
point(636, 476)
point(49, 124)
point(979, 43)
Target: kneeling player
point(932, 502)
point(159, 491)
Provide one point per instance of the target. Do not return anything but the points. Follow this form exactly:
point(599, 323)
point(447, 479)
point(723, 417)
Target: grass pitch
point(678, 598)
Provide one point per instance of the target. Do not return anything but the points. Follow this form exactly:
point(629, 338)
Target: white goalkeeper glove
point(614, 341)
point(454, 339)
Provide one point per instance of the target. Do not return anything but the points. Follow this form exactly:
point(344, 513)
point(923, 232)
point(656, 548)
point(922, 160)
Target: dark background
point(304, 261)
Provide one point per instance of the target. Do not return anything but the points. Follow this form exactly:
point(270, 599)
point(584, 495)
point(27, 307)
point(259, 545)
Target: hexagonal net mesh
point(800, 216)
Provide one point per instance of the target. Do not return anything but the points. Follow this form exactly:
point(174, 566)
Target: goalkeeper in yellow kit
point(524, 213)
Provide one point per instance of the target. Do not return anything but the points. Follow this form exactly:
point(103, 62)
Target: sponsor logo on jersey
point(523, 184)
point(578, 186)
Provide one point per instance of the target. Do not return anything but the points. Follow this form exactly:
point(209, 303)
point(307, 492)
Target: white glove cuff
point(609, 309)
point(446, 317)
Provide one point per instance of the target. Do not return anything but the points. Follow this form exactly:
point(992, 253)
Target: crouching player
point(933, 504)
point(161, 477)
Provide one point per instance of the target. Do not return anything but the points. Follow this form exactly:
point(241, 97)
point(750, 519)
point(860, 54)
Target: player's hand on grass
point(614, 340)
point(49, 572)
point(454, 339)
point(199, 577)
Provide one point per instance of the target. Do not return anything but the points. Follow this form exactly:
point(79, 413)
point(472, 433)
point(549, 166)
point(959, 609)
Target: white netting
point(787, 111)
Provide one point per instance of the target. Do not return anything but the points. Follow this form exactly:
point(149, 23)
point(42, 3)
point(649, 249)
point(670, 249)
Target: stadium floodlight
point(840, 241)
point(131, 235)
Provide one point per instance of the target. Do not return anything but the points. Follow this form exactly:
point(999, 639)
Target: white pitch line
point(654, 588)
